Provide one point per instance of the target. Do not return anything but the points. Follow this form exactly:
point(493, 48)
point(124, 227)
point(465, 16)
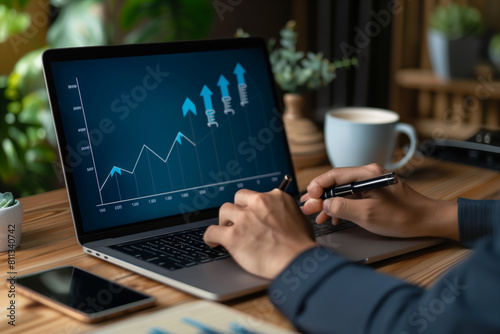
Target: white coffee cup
point(356, 136)
point(11, 219)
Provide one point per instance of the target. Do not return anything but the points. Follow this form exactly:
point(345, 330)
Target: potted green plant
point(297, 72)
point(28, 161)
point(453, 39)
point(11, 218)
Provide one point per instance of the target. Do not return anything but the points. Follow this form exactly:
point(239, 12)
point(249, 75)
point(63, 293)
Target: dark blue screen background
point(136, 154)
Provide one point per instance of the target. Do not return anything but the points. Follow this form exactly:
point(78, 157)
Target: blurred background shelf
point(426, 80)
point(455, 109)
point(452, 109)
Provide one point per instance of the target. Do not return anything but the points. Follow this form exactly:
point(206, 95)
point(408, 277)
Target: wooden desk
point(48, 240)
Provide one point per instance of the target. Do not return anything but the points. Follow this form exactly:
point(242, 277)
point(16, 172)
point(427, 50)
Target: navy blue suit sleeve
point(477, 219)
point(321, 292)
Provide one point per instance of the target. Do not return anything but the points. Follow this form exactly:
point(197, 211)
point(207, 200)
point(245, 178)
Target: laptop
point(154, 138)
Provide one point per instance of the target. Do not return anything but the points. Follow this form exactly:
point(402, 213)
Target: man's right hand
point(396, 211)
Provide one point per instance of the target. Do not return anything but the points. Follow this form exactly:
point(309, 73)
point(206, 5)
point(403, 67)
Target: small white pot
point(11, 219)
point(453, 58)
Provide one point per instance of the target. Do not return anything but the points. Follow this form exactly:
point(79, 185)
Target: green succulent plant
point(6, 200)
point(297, 71)
point(456, 21)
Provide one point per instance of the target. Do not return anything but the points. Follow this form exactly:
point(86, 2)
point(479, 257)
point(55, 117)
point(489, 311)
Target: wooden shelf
point(467, 104)
point(426, 80)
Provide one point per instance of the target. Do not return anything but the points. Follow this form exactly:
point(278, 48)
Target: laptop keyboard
point(174, 250)
point(186, 249)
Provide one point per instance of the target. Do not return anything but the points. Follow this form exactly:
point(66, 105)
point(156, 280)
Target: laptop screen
point(171, 130)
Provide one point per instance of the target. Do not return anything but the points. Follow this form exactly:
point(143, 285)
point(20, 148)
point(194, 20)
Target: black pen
point(356, 187)
point(286, 181)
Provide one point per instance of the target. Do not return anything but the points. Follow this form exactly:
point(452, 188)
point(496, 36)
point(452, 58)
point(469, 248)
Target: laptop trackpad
point(357, 244)
point(221, 277)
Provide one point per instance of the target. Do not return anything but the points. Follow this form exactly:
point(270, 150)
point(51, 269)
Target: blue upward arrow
point(178, 138)
point(188, 106)
point(117, 170)
point(223, 83)
point(239, 71)
point(207, 93)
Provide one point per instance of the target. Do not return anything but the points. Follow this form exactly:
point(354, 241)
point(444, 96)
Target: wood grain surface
point(48, 240)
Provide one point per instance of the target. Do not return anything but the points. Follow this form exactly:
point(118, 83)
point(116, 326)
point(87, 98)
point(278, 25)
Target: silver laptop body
point(154, 138)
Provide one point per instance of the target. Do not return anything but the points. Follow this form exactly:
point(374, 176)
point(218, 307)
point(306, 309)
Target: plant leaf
point(27, 74)
point(79, 23)
point(166, 20)
point(6, 199)
point(12, 22)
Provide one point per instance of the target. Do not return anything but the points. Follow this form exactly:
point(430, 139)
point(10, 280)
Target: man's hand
point(263, 232)
point(396, 211)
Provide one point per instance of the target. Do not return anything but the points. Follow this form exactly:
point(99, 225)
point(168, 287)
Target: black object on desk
point(481, 150)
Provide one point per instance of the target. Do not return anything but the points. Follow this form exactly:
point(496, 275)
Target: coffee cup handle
point(412, 135)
